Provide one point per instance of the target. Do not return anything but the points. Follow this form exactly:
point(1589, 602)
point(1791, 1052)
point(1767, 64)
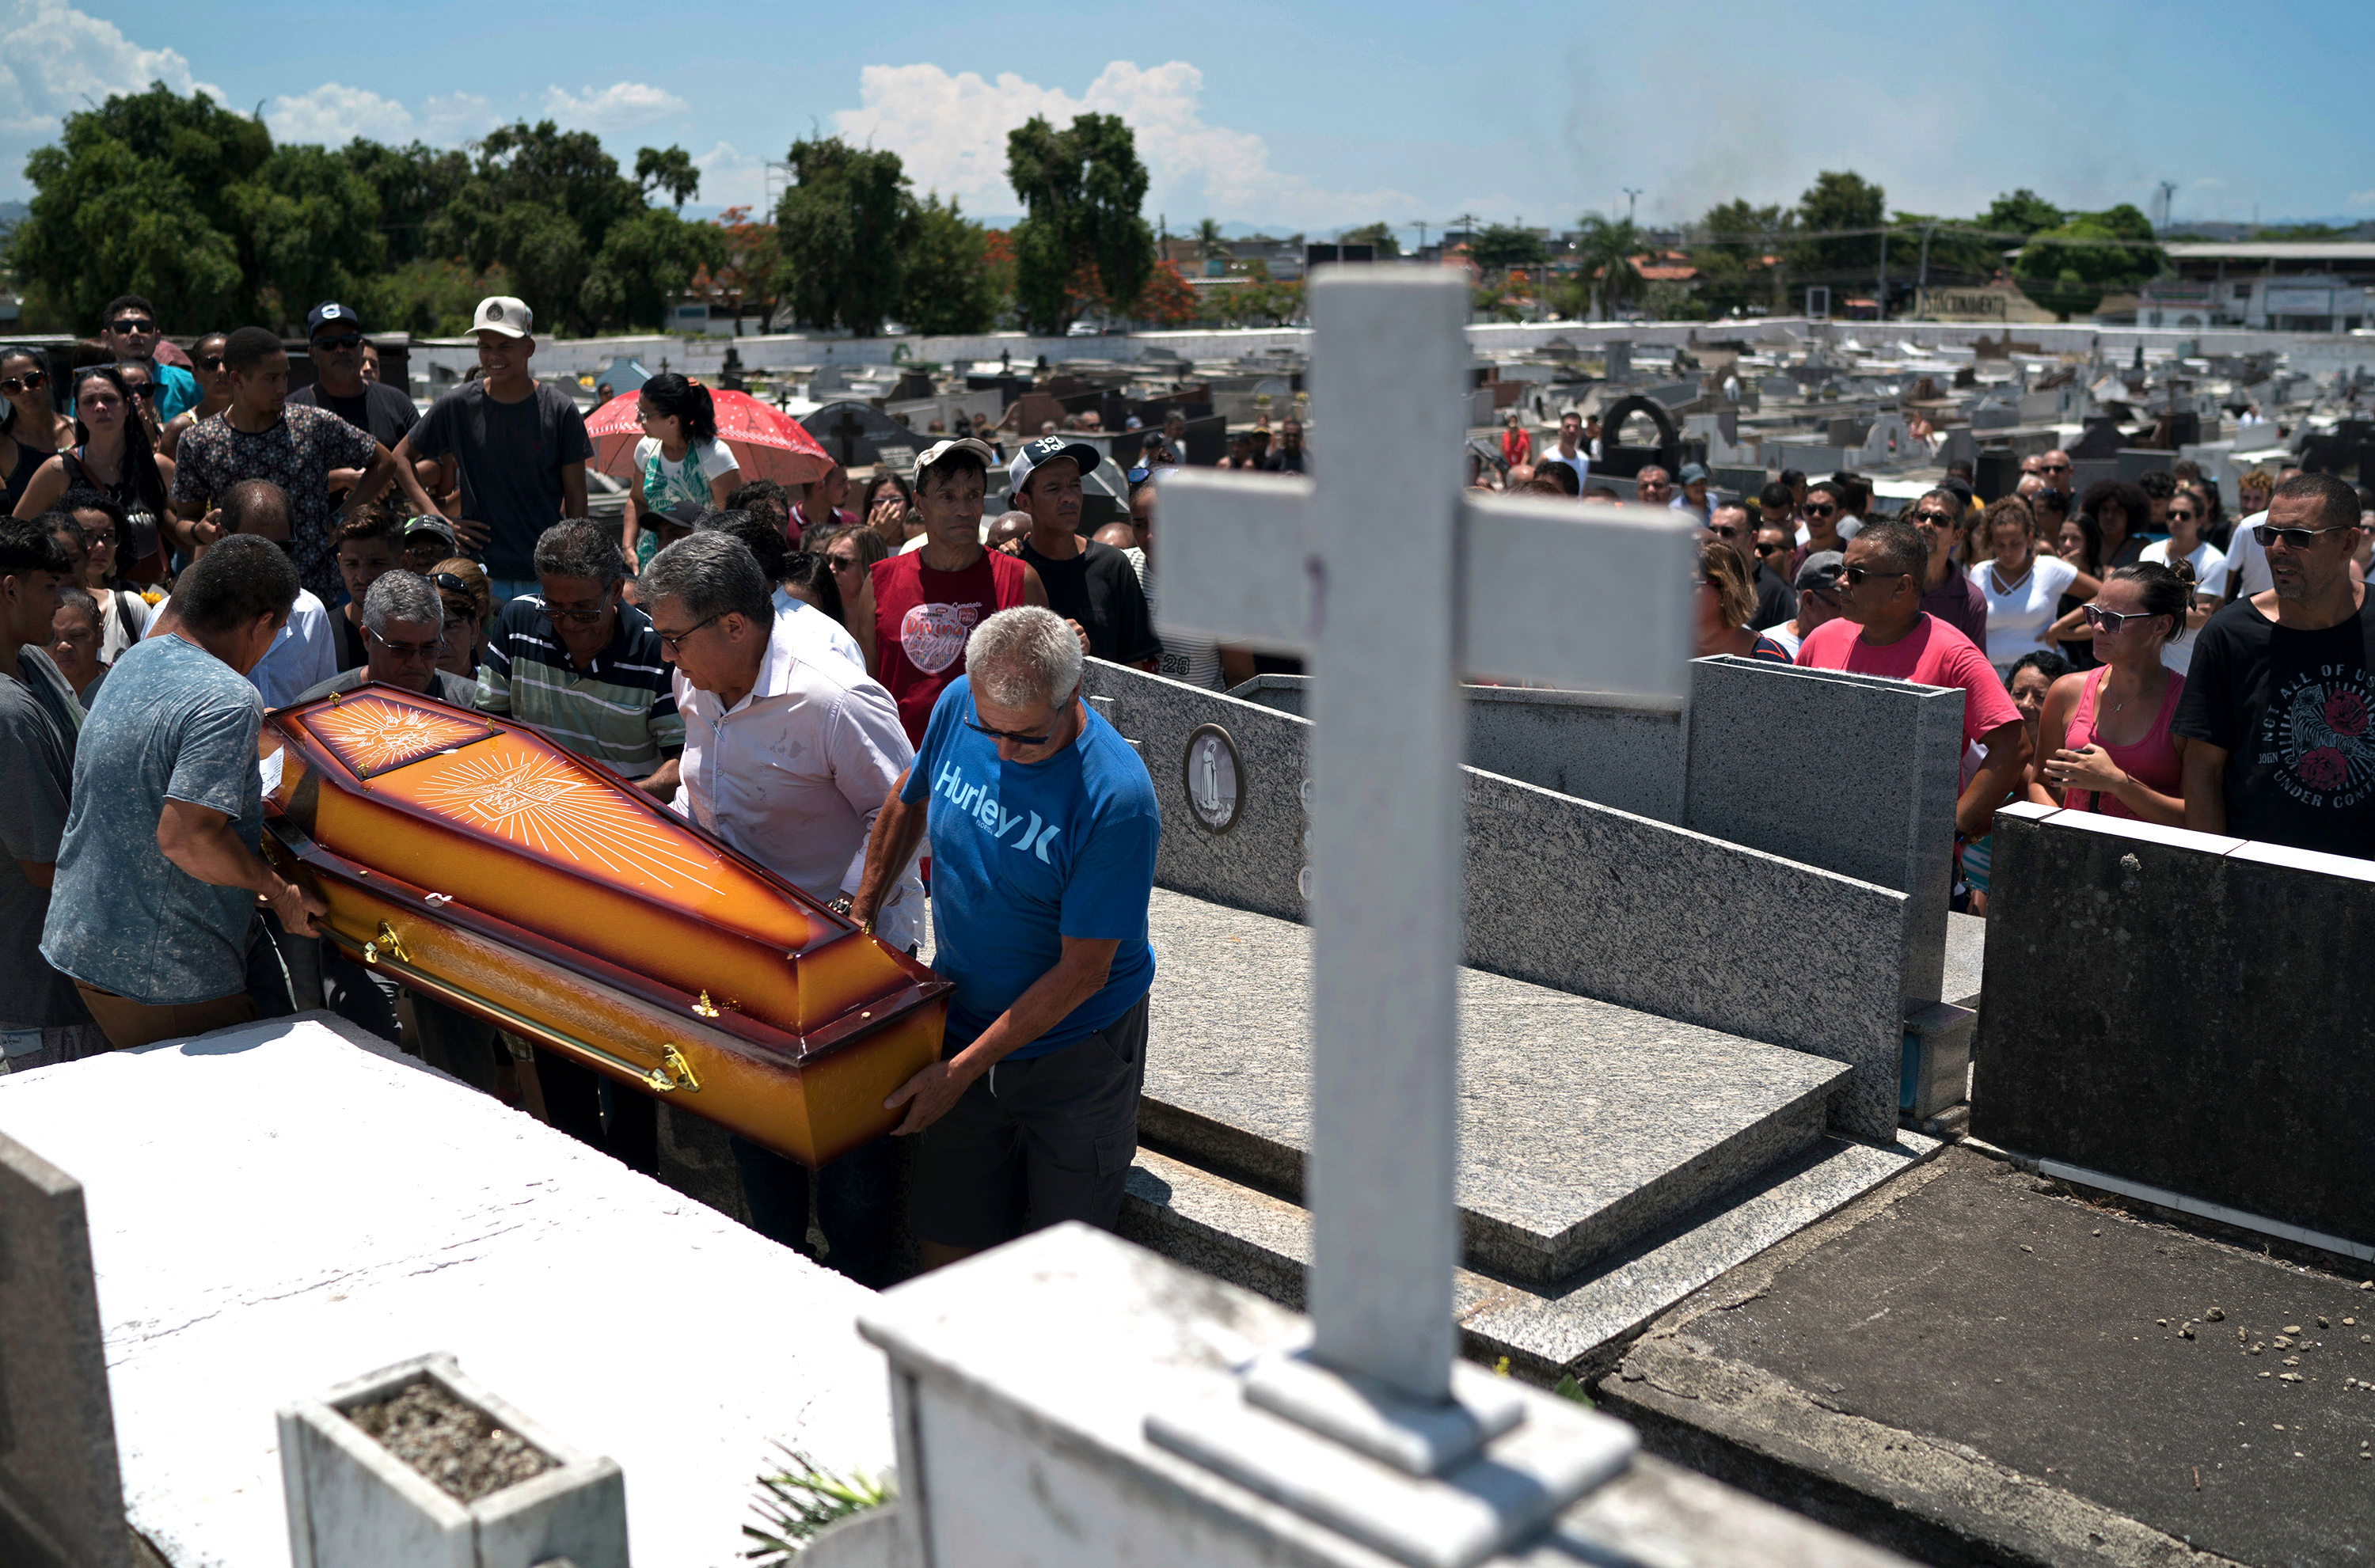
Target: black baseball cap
point(1046, 450)
point(330, 313)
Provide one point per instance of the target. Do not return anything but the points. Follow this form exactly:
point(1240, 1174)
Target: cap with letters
point(329, 313)
point(1046, 450)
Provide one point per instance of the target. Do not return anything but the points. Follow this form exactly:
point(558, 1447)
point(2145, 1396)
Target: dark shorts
point(1034, 1142)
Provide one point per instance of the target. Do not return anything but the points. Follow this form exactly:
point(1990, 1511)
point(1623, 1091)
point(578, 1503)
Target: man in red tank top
point(927, 602)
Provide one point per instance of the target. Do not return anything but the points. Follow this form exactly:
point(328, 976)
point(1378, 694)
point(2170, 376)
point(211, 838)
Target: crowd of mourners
point(188, 542)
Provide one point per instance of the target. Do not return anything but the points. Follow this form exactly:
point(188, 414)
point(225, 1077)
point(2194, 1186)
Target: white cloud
point(2362, 198)
point(950, 130)
point(334, 114)
point(617, 107)
point(730, 177)
point(54, 60)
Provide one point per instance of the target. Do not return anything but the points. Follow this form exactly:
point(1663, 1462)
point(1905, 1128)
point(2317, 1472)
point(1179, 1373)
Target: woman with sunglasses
point(1725, 603)
point(123, 616)
point(2106, 739)
point(30, 430)
point(142, 380)
point(111, 454)
point(214, 391)
point(851, 553)
point(2186, 518)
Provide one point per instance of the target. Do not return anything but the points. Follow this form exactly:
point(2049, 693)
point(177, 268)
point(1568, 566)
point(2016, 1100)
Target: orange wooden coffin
point(480, 863)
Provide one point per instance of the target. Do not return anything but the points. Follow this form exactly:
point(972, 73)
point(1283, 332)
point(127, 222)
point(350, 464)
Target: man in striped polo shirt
point(583, 665)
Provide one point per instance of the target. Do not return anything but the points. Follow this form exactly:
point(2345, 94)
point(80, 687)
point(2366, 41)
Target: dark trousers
point(853, 1204)
point(621, 1122)
point(1034, 1142)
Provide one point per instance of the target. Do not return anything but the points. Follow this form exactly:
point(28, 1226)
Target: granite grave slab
point(1854, 774)
point(1582, 1124)
point(1566, 894)
point(61, 1493)
point(2227, 1056)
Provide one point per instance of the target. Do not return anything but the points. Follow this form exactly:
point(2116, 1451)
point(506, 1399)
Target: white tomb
point(277, 1208)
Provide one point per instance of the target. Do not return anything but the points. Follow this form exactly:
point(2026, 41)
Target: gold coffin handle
point(387, 949)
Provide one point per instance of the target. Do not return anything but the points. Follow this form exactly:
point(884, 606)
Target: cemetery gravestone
point(854, 433)
point(1287, 563)
point(61, 1495)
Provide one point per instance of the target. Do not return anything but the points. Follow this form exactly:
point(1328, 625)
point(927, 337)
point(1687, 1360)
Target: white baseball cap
point(505, 314)
point(939, 450)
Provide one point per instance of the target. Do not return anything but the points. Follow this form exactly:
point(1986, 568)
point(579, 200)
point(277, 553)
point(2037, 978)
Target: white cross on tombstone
point(1399, 585)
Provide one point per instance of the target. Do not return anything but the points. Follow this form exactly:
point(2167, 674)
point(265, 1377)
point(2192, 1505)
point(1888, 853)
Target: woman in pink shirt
point(2104, 734)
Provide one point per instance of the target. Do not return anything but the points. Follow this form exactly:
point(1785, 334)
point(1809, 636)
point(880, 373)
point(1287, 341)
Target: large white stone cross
point(1399, 583)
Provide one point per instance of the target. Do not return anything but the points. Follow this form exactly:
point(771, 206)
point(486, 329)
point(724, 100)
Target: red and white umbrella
point(767, 443)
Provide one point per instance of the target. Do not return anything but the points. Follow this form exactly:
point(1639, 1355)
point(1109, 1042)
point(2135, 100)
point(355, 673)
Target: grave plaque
point(61, 1496)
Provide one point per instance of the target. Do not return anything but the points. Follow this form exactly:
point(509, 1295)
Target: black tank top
point(141, 540)
point(12, 488)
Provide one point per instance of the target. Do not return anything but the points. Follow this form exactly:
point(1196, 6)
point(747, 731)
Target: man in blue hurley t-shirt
point(1043, 827)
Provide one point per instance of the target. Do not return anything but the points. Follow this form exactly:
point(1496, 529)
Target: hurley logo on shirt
point(975, 801)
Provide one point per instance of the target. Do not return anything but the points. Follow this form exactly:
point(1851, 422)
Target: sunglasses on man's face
point(32, 381)
point(1819, 509)
point(1771, 550)
point(1722, 532)
point(339, 340)
point(2053, 467)
point(1934, 519)
point(132, 324)
point(2294, 539)
point(1853, 576)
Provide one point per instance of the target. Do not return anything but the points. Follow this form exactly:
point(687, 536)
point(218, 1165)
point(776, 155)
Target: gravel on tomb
point(458, 1447)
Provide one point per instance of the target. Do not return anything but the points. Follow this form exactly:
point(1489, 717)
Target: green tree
point(671, 170)
point(1733, 272)
point(1497, 247)
point(2022, 213)
point(2069, 268)
point(847, 225)
point(948, 290)
point(1838, 200)
point(1375, 234)
point(427, 298)
point(310, 232)
point(647, 262)
point(142, 194)
point(1083, 241)
point(1604, 252)
point(1209, 247)
point(416, 186)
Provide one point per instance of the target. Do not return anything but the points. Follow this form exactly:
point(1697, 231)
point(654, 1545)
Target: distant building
point(2271, 285)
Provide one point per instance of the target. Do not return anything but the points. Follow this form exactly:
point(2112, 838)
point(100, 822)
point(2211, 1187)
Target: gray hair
point(402, 595)
point(1024, 656)
point(81, 603)
point(577, 548)
point(710, 573)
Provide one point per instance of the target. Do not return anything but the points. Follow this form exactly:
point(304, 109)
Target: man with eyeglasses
point(579, 662)
point(130, 332)
point(1043, 827)
point(2056, 470)
point(1821, 513)
point(404, 633)
point(790, 751)
point(1654, 486)
point(1883, 630)
point(1775, 602)
point(2281, 683)
point(1947, 591)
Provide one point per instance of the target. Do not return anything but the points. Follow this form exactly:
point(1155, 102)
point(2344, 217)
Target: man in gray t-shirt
point(159, 875)
point(42, 1020)
point(519, 446)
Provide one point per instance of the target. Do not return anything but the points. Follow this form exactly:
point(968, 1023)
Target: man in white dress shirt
point(789, 752)
point(306, 651)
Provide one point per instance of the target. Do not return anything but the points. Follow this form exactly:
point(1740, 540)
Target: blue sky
point(1318, 116)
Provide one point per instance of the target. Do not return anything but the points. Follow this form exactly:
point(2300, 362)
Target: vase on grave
point(477, 862)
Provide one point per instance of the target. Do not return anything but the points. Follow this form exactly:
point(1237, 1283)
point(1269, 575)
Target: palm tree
point(1209, 243)
point(1606, 251)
